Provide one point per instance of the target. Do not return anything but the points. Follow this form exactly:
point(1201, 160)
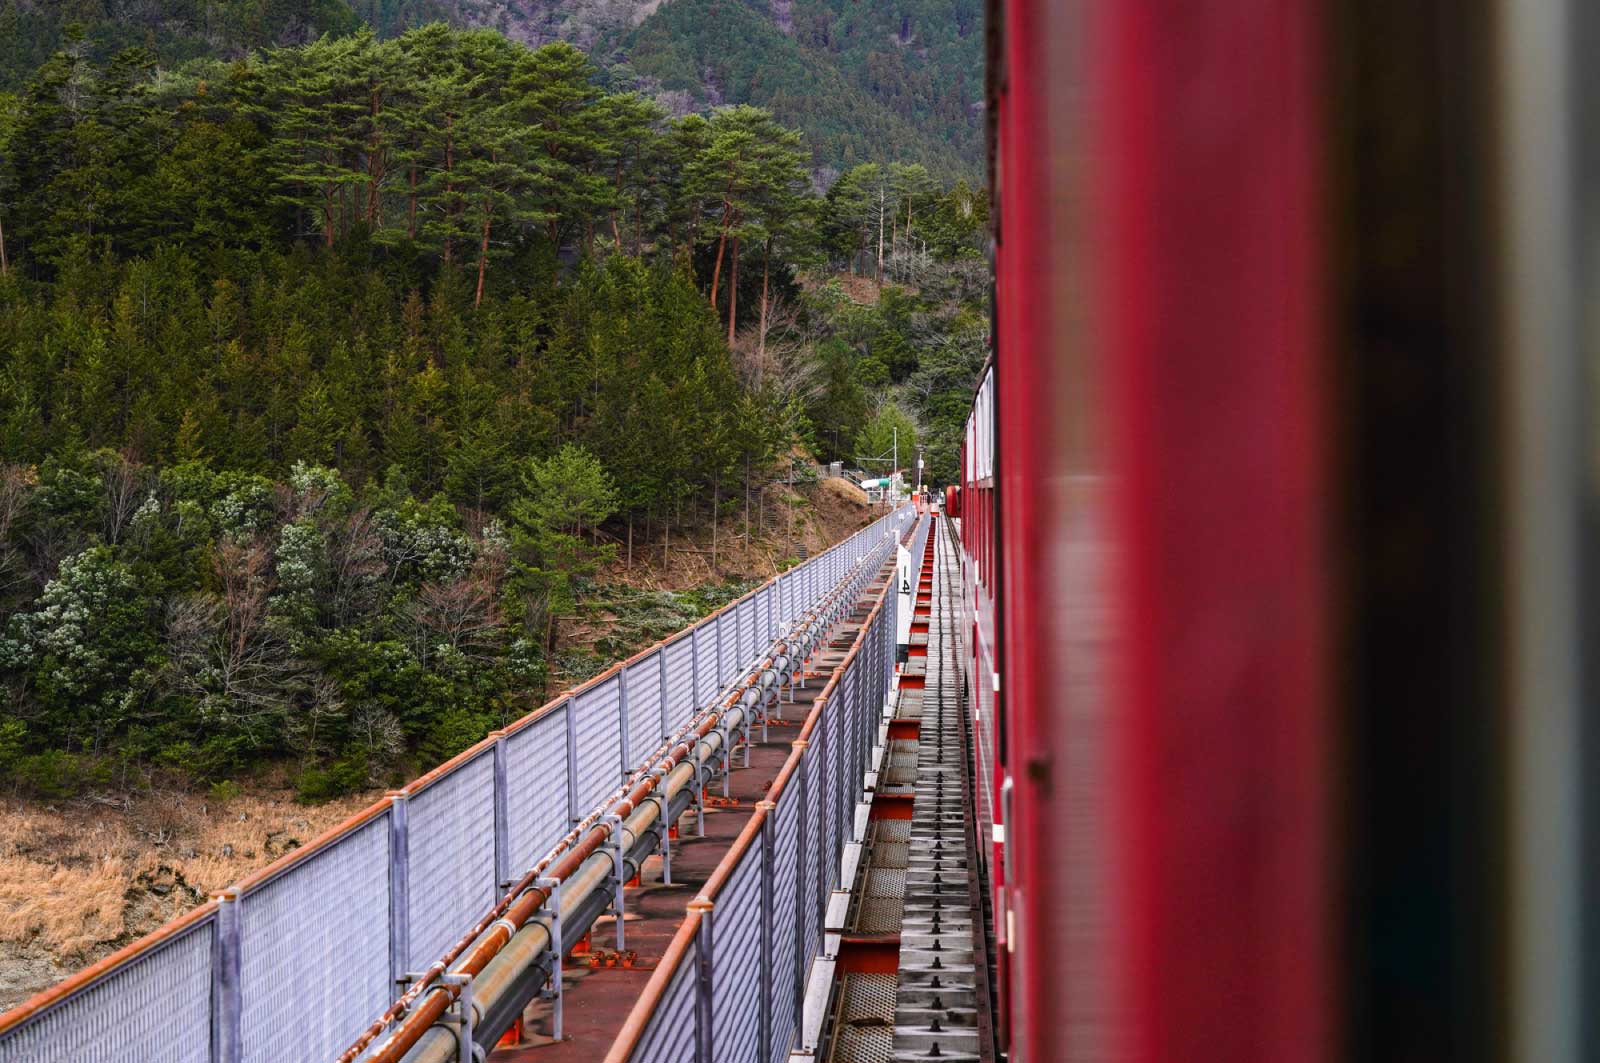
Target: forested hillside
point(865, 81)
point(331, 377)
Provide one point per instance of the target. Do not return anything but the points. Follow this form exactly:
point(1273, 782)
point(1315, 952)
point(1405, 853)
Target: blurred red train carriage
point(1277, 579)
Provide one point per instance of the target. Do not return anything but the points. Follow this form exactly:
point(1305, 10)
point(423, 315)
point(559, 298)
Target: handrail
point(677, 949)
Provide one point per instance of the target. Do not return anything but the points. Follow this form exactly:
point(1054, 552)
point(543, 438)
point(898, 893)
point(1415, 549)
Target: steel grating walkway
point(915, 890)
point(937, 1005)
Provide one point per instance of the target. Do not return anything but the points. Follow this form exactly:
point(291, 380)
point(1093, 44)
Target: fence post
point(572, 759)
point(706, 1041)
point(717, 631)
point(622, 720)
point(801, 960)
point(661, 670)
point(502, 820)
point(399, 885)
point(767, 810)
point(694, 667)
point(227, 1028)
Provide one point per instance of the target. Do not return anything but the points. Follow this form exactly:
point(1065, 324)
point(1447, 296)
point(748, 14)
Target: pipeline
point(509, 941)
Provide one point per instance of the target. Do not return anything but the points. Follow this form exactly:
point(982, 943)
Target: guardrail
point(731, 984)
point(296, 958)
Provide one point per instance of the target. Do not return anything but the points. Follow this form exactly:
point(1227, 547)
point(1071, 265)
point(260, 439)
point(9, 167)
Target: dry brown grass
point(79, 880)
point(843, 491)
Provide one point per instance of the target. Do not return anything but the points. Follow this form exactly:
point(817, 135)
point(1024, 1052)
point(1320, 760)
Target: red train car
point(1277, 498)
point(952, 501)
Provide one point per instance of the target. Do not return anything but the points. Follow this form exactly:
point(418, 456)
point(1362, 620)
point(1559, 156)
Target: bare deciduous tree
point(463, 614)
point(356, 567)
point(776, 352)
point(125, 490)
point(225, 650)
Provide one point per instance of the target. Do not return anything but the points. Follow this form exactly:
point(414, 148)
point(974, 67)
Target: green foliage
point(346, 775)
point(867, 82)
point(331, 378)
point(891, 432)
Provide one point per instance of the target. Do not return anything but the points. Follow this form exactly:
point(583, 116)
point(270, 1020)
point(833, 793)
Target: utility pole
point(894, 466)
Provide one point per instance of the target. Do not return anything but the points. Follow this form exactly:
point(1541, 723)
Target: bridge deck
point(602, 986)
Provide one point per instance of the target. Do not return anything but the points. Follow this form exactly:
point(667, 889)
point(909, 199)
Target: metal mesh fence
point(646, 723)
point(705, 662)
point(157, 1007)
point(681, 699)
point(597, 743)
point(322, 929)
point(736, 964)
point(451, 856)
point(787, 922)
point(536, 789)
point(673, 1029)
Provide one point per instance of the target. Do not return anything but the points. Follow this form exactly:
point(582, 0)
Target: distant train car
point(952, 500)
point(1278, 504)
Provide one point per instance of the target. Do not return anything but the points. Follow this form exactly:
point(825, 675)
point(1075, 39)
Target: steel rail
point(579, 862)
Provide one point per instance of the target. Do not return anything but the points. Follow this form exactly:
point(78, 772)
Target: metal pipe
point(428, 999)
point(496, 964)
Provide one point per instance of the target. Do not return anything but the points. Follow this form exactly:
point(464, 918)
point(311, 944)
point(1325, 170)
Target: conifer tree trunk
point(630, 539)
point(733, 291)
point(880, 234)
point(5, 266)
point(747, 502)
point(722, 246)
point(716, 506)
point(483, 257)
point(761, 332)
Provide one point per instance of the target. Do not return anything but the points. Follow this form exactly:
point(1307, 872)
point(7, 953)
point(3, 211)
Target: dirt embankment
point(785, 522)
point(81, 879)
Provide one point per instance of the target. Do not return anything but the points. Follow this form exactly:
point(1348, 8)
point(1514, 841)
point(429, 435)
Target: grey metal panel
point(848, 705)
point(728, 639)
point(748, 643)
point(837, 812)
point(452, 857)
point(536, 789)
point(157, 1006)
point(314, 950)
point(705, 646)
point(736, 963)
point(669, 1037)
point(681, 699)
point(815, 818)
point(599, 742)
point(644, 708)
point(787, 825)
point(854, 755)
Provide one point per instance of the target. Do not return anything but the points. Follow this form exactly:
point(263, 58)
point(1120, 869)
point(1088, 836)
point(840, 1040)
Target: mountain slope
point(865, 80)
point(716, 51)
